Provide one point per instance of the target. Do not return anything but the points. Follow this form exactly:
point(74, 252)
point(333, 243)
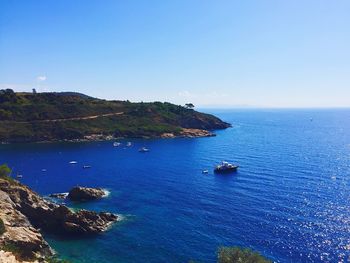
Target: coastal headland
point(70, 116)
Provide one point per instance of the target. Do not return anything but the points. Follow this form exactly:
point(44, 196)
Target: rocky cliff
point(24, 214)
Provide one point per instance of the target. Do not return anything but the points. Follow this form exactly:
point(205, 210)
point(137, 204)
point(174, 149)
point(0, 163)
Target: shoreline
point(25, 216)
point(184, 133)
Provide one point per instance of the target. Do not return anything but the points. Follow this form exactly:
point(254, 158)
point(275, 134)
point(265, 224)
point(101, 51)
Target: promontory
point(50, 116)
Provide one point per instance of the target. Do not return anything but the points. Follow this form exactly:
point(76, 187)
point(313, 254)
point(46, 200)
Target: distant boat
point(86, 166)
point(116, 144)
point(143, 150)
point(205, 172)
point(73, 162)
point(225, 167)
point(128, 144)
point(43, 170)
point(19, 175)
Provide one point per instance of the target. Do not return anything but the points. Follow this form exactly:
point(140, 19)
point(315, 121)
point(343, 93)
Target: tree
point(189, 106)
point(240, 255)
point(5, 171)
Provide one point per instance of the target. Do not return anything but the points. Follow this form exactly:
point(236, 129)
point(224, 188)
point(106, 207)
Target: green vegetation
point(5, 171)
point(240, 255)
point(189, 106)
point(28, 117)
point(2, 227)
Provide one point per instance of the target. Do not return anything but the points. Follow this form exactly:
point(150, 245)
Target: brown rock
point(192, 133)
point(85, 194)
point(19, 233)
point(53, 217)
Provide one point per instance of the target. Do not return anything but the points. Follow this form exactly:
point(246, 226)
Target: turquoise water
point(290, 199)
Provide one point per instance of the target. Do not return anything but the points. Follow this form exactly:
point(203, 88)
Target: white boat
point(87, 166)
point(73, 162)
point(205, 172)
point(116, 144)
point(225, 167)
point(143, 150)
point(128, 144)
point(43, 170)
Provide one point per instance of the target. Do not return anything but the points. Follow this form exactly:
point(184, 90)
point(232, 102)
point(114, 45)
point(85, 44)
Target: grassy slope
point(138, 120)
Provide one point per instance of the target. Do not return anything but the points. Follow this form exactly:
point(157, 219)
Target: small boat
point(128, 144)
point(43, 170)
point(19, 175)
point(73, 162)
point(225, 167)
point(86, 166)
point(205, 172)
point(116, 144)
point(143, 150)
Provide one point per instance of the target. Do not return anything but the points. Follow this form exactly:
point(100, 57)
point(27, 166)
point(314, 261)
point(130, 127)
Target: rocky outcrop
point(19, 234)
point(9, 257)
point(53, 217)
point(188, 133)
point(87, 222)
point(24, 212)
point(193, 133)
point(85, 194)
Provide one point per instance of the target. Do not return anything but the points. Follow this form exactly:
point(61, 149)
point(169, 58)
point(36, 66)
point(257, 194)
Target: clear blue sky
point(229, 53)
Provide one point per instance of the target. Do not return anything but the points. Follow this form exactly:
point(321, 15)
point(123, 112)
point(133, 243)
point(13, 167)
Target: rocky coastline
point(24, 215)
point(184, 133)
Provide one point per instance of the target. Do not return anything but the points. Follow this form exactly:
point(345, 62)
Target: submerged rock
point(85, 194)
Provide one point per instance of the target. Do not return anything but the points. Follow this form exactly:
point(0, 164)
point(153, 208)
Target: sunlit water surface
point(290, 199)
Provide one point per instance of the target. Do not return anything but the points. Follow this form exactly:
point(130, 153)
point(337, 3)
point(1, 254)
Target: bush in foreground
point(4, 171)
point(240, 255)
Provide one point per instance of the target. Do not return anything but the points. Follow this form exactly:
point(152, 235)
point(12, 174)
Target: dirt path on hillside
point(71, 119)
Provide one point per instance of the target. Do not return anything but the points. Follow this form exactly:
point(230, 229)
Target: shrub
point(240, 255)
point(4, 171)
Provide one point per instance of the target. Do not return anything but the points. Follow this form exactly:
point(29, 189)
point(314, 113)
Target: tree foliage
point(24, 117)
point(240, 255)
point(189, 106)
point(5, 171)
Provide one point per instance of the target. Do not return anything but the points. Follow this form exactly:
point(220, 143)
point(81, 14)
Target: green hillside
point(27, 117)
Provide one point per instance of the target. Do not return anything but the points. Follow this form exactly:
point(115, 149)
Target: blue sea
point(290, 199)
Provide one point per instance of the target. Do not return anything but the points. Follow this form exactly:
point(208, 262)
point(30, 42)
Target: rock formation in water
point(23, 212)
point(85, 194)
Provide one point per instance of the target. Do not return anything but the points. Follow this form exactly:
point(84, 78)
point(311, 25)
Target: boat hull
point(225, 171)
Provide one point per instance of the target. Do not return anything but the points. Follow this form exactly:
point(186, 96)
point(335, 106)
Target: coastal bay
point(280, 203)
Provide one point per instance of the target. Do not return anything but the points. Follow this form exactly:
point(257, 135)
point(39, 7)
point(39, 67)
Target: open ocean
point(290, 199)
